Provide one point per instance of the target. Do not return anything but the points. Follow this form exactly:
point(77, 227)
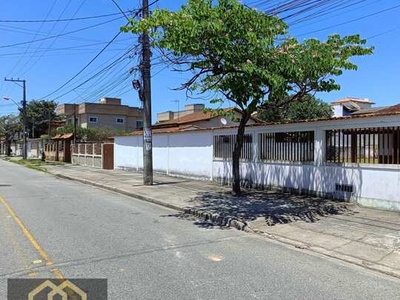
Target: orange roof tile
point(390, 111)
point(394, 109)
point(190, 118)
point(196, 117)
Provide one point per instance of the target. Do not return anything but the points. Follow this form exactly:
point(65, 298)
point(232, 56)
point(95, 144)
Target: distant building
point(353, 106)
point(194, 115)
point(108, 113)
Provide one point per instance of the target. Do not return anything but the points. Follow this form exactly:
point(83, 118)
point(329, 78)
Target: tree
point(10, 125)
point(307, 109)
point(247, 57)
point(38, 115)
point(90, 134)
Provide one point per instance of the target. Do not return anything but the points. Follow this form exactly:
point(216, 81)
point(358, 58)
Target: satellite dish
point(224, 121)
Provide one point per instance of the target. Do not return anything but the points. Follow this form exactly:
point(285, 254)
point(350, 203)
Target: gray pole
point(25, 148)
point(24, 117)
point(33, 128)
point(147, 134)
point(75, 119)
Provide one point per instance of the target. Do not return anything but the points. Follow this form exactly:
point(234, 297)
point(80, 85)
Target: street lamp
point(22, 109)
point(8, 99)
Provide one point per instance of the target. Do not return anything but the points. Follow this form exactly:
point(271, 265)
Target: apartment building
point(108, 113)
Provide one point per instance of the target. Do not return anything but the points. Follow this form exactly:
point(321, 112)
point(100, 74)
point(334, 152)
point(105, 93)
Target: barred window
point(363, 145)
point(286, 146)
point(224, 145)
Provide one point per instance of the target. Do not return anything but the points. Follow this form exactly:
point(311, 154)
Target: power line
point(63, 20)
point(58, 35)
point(54, 40)
point(120, 9)
point(92, 77)
point(87, 65)
point(352, 21)
point(34, 37)
point(84, 68)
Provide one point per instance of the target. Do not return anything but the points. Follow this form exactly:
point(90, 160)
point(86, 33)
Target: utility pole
point(33, 128)
point(75, 120)
point(49, 125)
point(147, 134)
point(23, 81)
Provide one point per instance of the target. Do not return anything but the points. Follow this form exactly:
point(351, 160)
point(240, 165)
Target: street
point(58, 228)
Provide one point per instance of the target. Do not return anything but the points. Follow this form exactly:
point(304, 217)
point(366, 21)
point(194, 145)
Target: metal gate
point(108, 156)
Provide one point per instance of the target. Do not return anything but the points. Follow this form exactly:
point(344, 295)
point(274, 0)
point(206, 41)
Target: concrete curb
point(333, 254)
point(217, 219)
point(121, 191)
point(228, 221)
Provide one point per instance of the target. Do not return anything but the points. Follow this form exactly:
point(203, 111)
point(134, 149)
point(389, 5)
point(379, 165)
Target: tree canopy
point(10, 125)
point(247, 56)
point(307, 109)
point(38, 114)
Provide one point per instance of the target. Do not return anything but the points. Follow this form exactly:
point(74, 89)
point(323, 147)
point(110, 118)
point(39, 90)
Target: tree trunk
point(8, 147)
point(236, 154)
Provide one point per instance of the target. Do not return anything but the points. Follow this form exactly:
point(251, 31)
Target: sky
point(73, 52)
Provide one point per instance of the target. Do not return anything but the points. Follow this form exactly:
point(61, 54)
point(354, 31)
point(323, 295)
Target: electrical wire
point(62, 20)
point(52, 42)
point(87, 65)
point(352, 21)
point(58, 35)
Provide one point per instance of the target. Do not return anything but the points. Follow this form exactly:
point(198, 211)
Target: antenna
point(176, 101)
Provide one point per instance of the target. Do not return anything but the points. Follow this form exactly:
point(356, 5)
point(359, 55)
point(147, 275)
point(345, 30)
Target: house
point(354, 157)
point(353, 106)
point(108, 113)
point(194, 115)
point(14, 144)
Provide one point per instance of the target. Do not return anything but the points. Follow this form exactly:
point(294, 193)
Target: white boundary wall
point(190, 154)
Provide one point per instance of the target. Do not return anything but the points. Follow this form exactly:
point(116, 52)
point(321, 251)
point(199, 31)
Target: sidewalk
point(366, 237)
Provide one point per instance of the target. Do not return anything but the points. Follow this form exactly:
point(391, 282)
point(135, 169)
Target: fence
point(286, 146)
point(224, 145)
point(354, 158)
point(363, 145)
point(87, 154)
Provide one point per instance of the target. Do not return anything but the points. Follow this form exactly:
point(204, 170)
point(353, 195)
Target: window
point(286, 146)
point(139, 124)
point(120, 120)
point(224, 145)
point(363, 145)
point(93, 120)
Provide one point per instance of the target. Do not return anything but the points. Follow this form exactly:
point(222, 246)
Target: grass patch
point(35, 164)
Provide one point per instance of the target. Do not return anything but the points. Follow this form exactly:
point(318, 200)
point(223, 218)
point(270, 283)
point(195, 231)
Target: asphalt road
point(145, 252)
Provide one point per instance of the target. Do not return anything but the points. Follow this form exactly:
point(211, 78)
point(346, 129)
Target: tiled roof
point(394, 109)
point(167, 130)
point(190, 118)
point(388, 111)
point(197, 116)
point(353, 99)
point(63, 136)
point(368, 110)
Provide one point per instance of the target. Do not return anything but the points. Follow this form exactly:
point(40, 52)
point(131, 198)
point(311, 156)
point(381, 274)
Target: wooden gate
point(108, 156)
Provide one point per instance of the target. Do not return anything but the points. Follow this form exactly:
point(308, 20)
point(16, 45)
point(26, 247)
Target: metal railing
point(286, 146)
point(224, 145)
point(363, 145)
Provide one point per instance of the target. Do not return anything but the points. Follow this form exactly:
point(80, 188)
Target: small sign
point(39, 289)
point(147, 135)
point(148, 145)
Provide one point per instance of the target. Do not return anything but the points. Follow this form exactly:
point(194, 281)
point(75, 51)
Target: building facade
point(108, 113)
point(354, 158)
